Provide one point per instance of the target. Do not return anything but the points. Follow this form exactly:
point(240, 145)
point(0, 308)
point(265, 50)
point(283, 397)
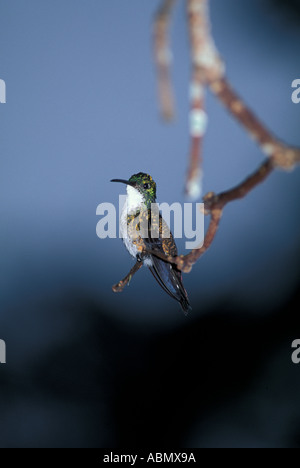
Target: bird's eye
point(146, 186)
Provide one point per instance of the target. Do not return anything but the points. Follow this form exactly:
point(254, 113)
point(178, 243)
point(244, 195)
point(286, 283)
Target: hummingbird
point(137, 223)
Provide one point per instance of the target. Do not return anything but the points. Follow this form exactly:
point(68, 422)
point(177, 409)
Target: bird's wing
point(166, 274)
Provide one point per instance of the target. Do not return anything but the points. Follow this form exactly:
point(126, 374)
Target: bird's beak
point(122, 181)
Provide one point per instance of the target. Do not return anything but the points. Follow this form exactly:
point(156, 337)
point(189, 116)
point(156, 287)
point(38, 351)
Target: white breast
point(135, 200)
point(134, 203)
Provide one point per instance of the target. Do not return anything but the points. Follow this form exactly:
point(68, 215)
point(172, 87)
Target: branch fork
point(208, 70)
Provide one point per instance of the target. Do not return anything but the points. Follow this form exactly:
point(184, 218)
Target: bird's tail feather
point(170, 280)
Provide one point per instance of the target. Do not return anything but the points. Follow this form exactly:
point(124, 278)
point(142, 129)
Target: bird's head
point(141, 186)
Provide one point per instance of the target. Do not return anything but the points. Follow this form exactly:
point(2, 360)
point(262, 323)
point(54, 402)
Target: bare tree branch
point(208, 70)
point(119, 287)
point(214, 206)
point(206, 65)
point(213, 202)
point(283, 156)
point(163, 58)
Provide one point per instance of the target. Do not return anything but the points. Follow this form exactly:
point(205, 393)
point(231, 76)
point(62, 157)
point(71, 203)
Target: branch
point(119, 287)
point(206, 65)
point(283, 156)
point(214, 206)
point(208, 69)
point(204, 58)
point(213, 202)
point(163, 58)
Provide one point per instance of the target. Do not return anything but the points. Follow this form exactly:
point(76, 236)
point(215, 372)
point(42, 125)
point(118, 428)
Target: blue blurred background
point(90, 368)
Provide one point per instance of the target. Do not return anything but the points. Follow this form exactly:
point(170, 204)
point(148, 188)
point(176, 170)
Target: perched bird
point(143, 228)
